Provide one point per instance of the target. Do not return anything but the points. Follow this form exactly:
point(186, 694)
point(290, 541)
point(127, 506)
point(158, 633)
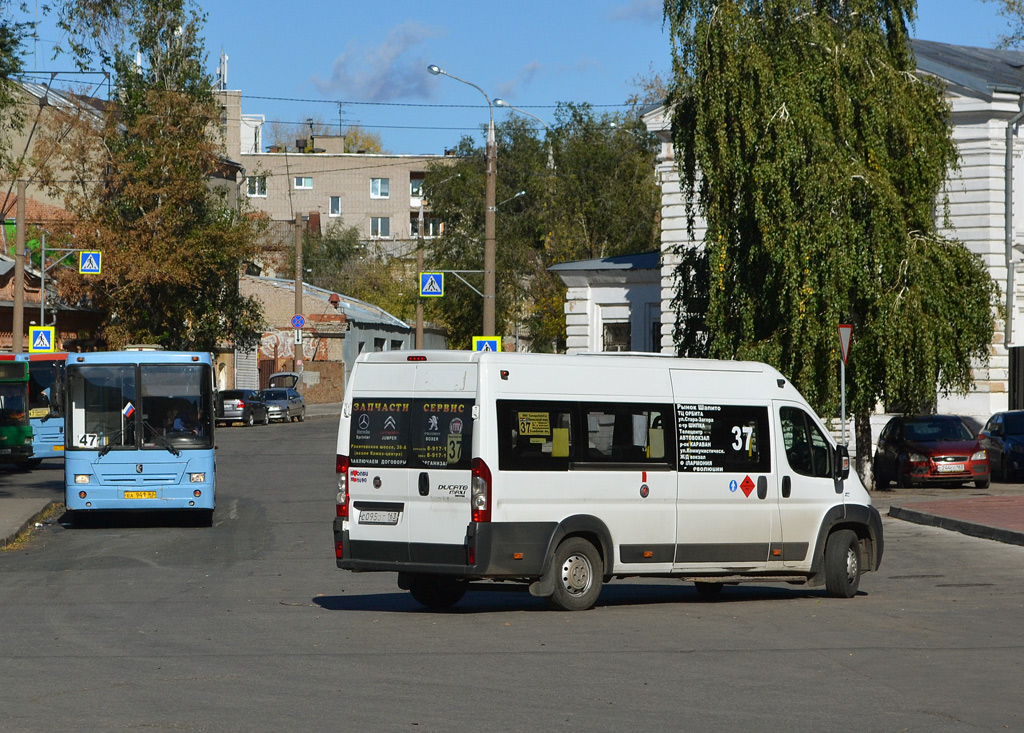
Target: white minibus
point(464, 470)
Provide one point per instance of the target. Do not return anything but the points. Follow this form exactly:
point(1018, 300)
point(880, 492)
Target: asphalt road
point(249, 625)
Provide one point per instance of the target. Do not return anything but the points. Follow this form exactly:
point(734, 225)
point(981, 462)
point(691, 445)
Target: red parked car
point(930, 450)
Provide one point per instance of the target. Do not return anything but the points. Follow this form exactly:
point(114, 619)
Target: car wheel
point(250, 419)
point(881, 480)
point(982, 484)
point(579, 575)
point(902, 482)
point(842, 564)
point(266, 418)
point(1004, 470)
point(302, 414)
point(436, 592)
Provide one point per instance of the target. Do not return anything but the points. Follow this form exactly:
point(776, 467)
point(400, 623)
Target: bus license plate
point(950, 468)
point(140, 495)
point(378, 517)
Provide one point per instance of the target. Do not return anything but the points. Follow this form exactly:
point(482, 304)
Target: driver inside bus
point(186, 421)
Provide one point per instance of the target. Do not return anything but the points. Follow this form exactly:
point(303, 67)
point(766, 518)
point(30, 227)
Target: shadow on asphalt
point(612, 595)
point(133, 519)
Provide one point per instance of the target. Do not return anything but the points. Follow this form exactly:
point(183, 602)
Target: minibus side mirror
point(841, 467)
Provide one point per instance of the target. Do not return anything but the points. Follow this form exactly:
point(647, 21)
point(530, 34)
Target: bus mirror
point(841, 466)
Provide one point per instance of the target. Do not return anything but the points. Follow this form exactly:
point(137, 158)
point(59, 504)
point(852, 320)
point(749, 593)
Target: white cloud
point(643, 11)
point(393, 70)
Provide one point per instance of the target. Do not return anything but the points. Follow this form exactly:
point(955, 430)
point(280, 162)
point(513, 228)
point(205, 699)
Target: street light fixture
point(551, 152)
point(489, 207)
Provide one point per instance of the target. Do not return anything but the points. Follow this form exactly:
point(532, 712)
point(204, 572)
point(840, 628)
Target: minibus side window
point(627, 433)
point(807, 450)
point(534, 435)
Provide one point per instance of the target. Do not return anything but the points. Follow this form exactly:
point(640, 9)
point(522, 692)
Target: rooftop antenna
point(222, 72)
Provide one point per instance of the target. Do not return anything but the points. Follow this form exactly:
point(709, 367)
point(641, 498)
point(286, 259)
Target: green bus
point(15, 431)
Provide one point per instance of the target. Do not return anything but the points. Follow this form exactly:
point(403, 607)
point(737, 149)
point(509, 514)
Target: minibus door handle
point(424, 484)
point(787, 487)
point(762, 487)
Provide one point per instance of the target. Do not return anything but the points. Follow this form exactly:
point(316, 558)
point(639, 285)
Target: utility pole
point(297, 359)
point(18, 321)
point(419, 269)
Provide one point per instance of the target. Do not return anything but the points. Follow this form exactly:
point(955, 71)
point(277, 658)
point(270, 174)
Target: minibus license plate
point(140, 495)
point(378, 517)
point(950, 467)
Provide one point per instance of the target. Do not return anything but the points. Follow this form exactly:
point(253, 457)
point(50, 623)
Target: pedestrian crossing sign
point(90, 263)
point(487, 343)
point(40, 339)
point(431, 284)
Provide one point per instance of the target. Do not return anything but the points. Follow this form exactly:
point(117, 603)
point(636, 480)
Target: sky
point(365, 63)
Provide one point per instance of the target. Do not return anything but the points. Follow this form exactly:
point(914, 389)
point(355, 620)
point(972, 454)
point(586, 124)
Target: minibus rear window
point(418, 433)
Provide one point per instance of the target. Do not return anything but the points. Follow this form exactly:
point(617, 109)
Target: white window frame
point(380, 188)
point(254, 183)
point(332, 211)
point(375, 227)
point(304, 183)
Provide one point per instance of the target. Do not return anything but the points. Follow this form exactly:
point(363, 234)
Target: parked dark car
point(284, 404)
point(1003, 438)
point(241, 404)
point(929, 450)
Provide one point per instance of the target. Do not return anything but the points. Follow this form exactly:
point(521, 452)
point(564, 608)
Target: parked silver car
point(241, 404)
point(284, 403)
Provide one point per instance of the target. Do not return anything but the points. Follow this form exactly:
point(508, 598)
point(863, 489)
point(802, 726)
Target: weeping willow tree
point(817, 157)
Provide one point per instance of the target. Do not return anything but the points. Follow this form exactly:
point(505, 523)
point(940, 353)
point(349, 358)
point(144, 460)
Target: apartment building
point(315, 177)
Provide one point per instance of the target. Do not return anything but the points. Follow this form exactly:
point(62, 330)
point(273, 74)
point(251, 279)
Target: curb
point(27, 524)
point(971, 529)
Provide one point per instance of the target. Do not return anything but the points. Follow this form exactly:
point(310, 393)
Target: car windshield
point(1013, 423)
point(935, 431)
point(275, 394)
point(232, 394)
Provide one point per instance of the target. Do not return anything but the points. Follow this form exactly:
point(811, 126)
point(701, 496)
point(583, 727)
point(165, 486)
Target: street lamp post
point(489, 208)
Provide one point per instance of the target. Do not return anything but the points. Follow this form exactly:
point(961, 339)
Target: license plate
point(950, 468)
point(140, 495)
point(377, 517)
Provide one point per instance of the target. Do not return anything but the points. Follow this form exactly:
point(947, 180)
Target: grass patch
point(54, 509)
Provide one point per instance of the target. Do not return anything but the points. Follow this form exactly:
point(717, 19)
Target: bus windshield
point(42, 402)
point(12, 405)
point(139, 406)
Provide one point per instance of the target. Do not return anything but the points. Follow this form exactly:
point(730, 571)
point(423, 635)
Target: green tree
point(12, 36)
point(816, 157)
point(172, 243)
point(589, 192)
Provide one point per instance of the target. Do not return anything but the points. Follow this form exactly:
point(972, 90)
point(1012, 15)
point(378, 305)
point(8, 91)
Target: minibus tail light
point(341, 466)
point(480, 499)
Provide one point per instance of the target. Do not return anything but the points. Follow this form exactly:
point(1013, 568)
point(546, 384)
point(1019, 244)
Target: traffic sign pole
point(845, 332)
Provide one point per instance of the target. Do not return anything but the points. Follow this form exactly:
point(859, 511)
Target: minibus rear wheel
point(579, 571)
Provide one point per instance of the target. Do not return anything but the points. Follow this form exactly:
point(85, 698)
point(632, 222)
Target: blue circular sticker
point(733, 485)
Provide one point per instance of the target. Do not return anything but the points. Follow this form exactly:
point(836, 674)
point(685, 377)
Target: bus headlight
point(81, 478)
point(197, 478)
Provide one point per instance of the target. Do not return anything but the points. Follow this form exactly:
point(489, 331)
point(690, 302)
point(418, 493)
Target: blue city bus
point(139, 432)
point(45, 413)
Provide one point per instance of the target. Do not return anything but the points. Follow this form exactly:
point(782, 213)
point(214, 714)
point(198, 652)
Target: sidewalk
point(22, 505)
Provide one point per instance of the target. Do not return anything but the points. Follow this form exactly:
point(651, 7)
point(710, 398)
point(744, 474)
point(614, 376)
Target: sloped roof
point(355, 310)
point(643, 261)
point(983, 70)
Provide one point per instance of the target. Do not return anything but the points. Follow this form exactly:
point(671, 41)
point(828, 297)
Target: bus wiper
point(158, 438)
point(106, 449)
